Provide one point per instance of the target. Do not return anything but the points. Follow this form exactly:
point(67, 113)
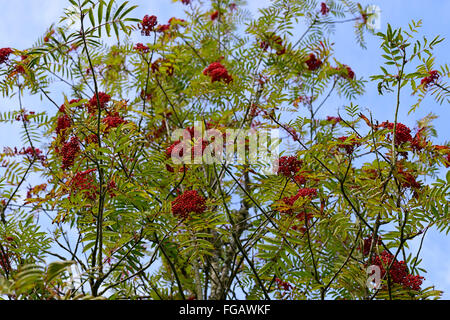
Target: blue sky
point(22, 21)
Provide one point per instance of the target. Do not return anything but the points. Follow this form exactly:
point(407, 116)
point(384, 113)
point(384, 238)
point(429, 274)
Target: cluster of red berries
point(335, 120)
point(142, 48)
point(35, 190)
point(403, 135)
point(409, 181)
point(214, 15)
point(23, 116)
point(186, 2)
point(279, 44)
point(62, 108)
point(418, 142)
point(70, 149)
point(286, 286)
point(302, 193)
point(169, 152)
point(166, 27)
point(346, 72)
point(18, 69)
point(113, 121)
point(173, 21)
point(398, 271)
point(194, 133)
point(313, 62)
point(288, 166)
point(92, 138)
point(402, 132)
point(275, 42)
point(413, 282)
point(103, 99)
point(431, 79)
point(306, 192)
point(31, 152)
point(300, 179)
point(349, 144)
point(63, 123)
point(324, 9)
point(163, 28)
point(112, 187)
point(218, 72)
point(155, 65)
point(148, 24)
point(368, 243)
point(187, 203)
point(350, 73)
point(5, 261)
point(180, 147)
point(84, 181)
point(196, 150)
point(4, 54)
point(171, 148)
point(69, 152)
point(34, 153)
point(48, 35)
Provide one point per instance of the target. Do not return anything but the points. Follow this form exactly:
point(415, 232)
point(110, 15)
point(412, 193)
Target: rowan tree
point(348, 193)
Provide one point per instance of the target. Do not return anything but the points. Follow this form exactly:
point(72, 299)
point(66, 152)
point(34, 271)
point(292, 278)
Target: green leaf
point(91, 17)
point(116, 14)
point(108, 10)
point(54, 269)
point(128, 11)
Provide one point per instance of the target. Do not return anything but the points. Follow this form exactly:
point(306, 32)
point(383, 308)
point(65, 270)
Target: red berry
point(63, 123)
point(103, 99)
point(349, 145)
point(214, 15)
point(113, 121)
point(431, 79)
point(398, 271)
point(187, 203)
point(84, 182)
point(4, 54)
point(334, 119)
point(302, 193)
point(313, 63)
point(288, 166)
point(148, 24)
point(142, 48)
point(218, 72)
point(69, 152)
point(286, 286)
point(402, 132)
point(324, 9)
